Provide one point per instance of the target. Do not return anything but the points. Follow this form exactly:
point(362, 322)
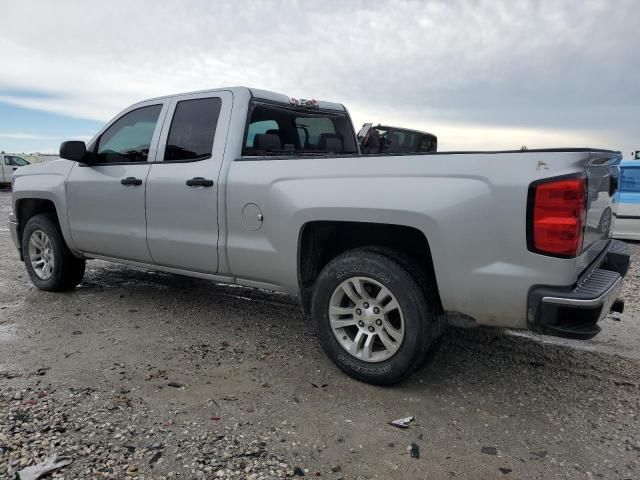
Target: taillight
point(556, 216)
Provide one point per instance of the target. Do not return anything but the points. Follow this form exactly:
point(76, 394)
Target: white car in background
point(8, 164)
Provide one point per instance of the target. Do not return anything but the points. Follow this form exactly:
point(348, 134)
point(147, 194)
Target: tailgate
point(602, 183)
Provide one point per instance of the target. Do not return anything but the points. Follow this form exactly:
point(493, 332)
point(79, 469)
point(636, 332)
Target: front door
point(182, 187)
point(106, 200)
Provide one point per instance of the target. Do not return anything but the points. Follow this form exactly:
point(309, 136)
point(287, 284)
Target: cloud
point(562, 71)
point(35, 136)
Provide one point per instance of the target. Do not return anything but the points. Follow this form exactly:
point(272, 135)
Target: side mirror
point(73, 150)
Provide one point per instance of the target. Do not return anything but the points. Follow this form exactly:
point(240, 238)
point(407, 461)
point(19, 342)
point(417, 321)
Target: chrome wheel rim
point(41, 254)
point(366, 319)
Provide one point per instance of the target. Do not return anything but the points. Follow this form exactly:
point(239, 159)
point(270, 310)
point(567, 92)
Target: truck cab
point(385, 139)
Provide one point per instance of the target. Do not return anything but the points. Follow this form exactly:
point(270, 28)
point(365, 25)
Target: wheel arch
point(321, 241)
point(28, 206)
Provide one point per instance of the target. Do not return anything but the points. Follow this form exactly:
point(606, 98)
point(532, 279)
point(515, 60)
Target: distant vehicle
point(384, 139)
point(627, 218)
point(9, 163)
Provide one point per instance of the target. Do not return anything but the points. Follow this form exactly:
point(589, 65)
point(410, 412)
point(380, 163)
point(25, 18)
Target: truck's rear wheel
point(372, 317)
point(50, 264)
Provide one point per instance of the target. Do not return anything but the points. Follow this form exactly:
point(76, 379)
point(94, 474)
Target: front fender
point(44, 182)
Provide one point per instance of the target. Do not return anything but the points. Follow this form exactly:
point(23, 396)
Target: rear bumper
point(574, 312)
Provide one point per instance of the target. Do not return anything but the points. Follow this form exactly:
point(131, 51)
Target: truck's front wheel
point(373, 318)
point(50, 264)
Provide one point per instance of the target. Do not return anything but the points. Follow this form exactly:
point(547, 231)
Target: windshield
point(15, 161)
point(274, 130)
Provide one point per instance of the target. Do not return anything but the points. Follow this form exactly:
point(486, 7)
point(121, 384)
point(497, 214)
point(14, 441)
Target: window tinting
point(258, 128)
point(15, 161)
point(310, 129)
point(428, 143)
point(630, 181)
point(193, 129)
point(129, 138)
point(278, 130)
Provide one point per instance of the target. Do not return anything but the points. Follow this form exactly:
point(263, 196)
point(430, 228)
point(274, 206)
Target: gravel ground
point(138, 374)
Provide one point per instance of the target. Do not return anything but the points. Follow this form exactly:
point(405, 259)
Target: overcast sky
point(479, 74)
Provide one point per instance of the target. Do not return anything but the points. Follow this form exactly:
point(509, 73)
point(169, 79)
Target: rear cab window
point(282, 130)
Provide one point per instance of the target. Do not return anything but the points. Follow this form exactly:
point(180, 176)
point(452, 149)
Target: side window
point(129, 138)
point(15, 161)
point(630, 181)
point(260, 127)
point(428, 144)
point(193, 129)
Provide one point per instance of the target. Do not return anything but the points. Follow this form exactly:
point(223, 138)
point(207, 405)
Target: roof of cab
point(259, 94)
point(630, 163)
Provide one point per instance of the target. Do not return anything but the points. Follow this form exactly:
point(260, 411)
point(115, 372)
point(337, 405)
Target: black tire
point(422, 321)
point(68, 270)
point(427, 285)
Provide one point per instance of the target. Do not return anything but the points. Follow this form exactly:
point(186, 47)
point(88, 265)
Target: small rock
point(298, 471)
point(415, 450)
point(336, 469)
point(504, 471)
point(489, 450)
point(540, 454)
point(155, 458)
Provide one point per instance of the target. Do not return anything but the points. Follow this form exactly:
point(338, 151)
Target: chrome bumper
point(574, 312)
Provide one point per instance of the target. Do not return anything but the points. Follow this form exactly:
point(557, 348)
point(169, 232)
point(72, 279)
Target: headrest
point(330, 142)
point(267, 141)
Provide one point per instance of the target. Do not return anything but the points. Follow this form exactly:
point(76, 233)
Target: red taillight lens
point(558, 216)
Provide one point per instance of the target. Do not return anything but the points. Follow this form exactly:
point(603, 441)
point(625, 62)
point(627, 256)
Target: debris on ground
point(50, 464)
point(402, 422)
point(489, 450)
point(415, 450)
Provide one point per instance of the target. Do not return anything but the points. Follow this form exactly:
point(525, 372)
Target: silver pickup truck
point(255, 188)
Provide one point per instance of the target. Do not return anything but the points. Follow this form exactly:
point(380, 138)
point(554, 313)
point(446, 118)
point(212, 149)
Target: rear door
point(106, 201)
point(182, 188)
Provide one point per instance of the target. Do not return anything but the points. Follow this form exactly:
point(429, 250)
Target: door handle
point(131, 181)
point(200, 182)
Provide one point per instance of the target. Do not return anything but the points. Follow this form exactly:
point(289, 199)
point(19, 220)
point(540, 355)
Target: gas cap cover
point(252, 216)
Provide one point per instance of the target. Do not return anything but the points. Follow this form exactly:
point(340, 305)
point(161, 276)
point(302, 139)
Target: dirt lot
point(138, 374)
